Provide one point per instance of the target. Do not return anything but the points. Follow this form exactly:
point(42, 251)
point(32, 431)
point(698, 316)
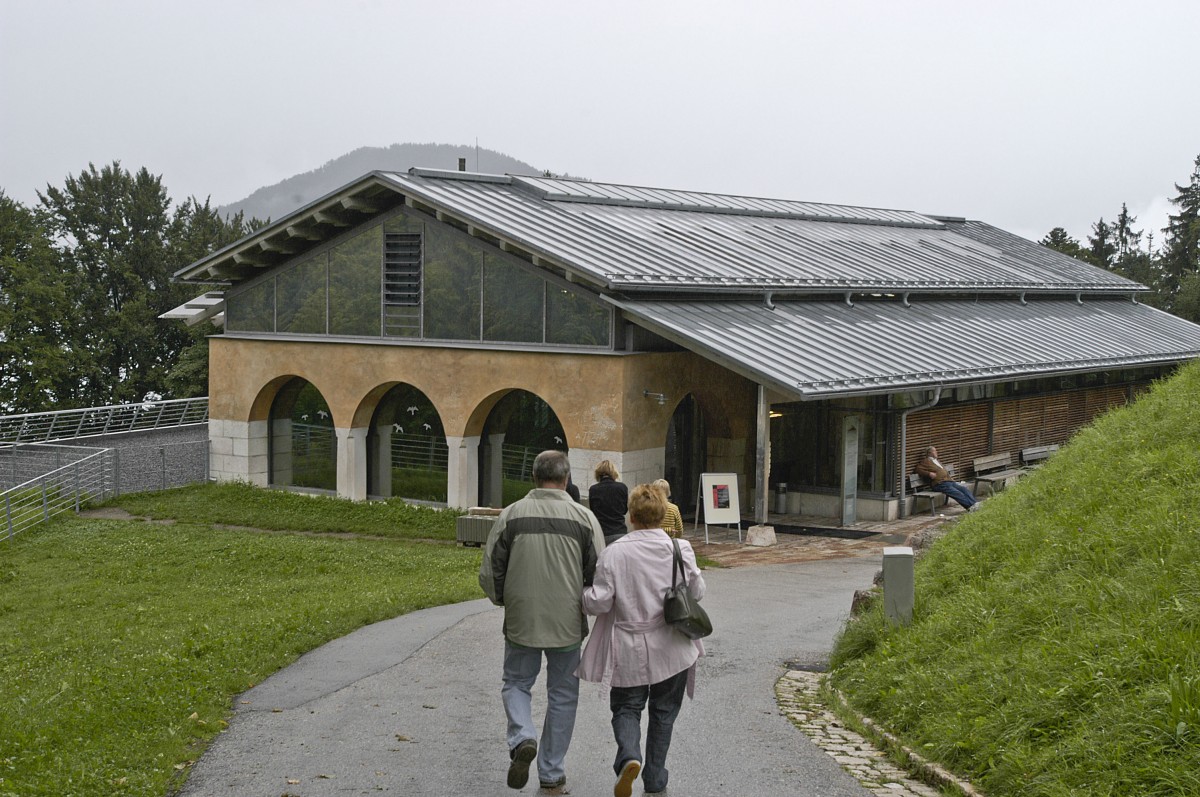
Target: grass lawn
point(1055, 644)
point(122, 643)
point(243, 505)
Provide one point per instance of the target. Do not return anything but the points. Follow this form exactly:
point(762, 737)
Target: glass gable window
point(453, 273)
point(301, 294)
point(573, 320)
point(252, 309)
point(512, 303)
point(354, 285)
point(408, 277)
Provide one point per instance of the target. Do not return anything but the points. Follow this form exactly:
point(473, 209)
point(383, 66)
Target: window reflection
point(459, 290)
point(512, 303)
point(302, 298)
point(253, 309)
point(354, 284)
point(573, 320)
point(452, 277)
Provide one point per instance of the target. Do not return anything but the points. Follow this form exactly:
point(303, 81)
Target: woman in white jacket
point(632, 649)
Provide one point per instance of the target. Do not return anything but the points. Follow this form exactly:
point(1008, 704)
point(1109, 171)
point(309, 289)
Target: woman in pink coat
point(632, 649)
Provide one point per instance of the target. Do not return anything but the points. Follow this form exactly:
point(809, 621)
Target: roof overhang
point(206, 306)
point(821, 350)
point(312, 225)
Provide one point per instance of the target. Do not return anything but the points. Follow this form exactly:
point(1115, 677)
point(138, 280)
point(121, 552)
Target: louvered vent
point(402, 284)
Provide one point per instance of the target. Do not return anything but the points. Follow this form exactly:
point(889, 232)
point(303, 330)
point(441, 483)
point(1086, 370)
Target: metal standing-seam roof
point(632, 239)
point(814, 350)
point(685, 265)
point(629, 239)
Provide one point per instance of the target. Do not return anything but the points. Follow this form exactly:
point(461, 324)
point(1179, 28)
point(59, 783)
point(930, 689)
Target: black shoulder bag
point(680, 609)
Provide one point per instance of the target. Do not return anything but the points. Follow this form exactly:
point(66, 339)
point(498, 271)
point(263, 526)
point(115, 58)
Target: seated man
point(940, 479)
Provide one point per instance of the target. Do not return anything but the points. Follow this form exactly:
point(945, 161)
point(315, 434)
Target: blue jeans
point(521, 668)
point(627, 702)
point(958, 492)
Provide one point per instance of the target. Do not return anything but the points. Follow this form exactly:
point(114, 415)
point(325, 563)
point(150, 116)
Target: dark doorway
point(686, 454)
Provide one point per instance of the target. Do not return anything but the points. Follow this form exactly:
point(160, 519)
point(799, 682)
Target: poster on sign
point(719, 498)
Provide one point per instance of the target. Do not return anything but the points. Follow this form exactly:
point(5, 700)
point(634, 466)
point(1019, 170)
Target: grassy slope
point(1055, 643)
point(123, 642)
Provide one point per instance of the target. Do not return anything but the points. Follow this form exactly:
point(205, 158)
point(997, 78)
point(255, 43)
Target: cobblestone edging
point(798, 696)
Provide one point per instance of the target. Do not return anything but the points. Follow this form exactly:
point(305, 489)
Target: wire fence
point(41, 480)
point(82, 475)
point(40, 427)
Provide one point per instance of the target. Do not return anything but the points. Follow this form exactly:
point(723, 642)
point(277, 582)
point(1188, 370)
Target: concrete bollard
point(760, 535)
point(898, 590)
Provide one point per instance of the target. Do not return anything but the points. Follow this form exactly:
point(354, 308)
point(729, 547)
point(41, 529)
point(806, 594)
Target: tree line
point(84, 275)
point(1171, 270)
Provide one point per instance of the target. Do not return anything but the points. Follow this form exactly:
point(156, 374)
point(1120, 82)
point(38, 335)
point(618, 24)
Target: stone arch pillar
point(462, 474)
point(379, 447)
point(352, 463)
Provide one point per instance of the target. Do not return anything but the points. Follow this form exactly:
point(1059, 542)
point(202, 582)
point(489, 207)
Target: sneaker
point(629, 773)
point(518, 770)
point(974, 507)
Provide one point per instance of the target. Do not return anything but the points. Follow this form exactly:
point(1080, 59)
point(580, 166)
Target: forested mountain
point(276, 201)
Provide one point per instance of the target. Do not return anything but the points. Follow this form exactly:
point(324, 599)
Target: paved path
point(411, 706)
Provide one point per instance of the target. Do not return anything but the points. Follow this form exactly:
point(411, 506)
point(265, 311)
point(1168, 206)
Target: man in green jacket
point(540, 555)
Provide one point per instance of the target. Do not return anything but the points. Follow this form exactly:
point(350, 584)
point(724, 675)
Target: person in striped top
point(673, 521)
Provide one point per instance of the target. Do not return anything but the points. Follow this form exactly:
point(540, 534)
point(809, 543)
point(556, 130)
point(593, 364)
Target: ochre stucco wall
point(598, 398)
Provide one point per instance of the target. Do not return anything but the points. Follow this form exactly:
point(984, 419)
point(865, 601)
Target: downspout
point(937, 395)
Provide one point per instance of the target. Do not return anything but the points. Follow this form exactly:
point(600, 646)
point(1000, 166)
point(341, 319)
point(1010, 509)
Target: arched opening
point(518, 428)
point(686, 454)
point(406, 448)
point(303, 445)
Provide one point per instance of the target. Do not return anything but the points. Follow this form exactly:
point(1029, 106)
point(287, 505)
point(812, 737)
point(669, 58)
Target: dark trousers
point(627, 702)
point(958, 492)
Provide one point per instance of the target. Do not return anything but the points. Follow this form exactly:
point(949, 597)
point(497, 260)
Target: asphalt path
point(411, 706)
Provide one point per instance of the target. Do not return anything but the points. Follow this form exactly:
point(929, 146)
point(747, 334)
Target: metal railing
point(412, 451)
point(420, 452)
point(87, 476)
point(516, 462)
point(39, 427)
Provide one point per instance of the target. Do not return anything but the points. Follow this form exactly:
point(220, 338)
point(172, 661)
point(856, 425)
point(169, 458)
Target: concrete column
point(493, 471)
point(462, 472)
point(381, 472)
point(899, 592)
point(585, 460)
point(352, 463)
point(281, 452)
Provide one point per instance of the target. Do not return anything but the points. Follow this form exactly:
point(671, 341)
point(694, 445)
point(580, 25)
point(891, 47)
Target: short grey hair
point(551, 466)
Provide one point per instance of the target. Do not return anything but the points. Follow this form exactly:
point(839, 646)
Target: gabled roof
point(812, 300)
point(626, 239)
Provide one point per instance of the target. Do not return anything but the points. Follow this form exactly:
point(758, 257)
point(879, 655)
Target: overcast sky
point(1027, 115)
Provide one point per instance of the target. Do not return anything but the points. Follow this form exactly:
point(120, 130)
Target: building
point(672, 332)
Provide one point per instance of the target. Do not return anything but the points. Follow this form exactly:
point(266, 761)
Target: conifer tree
point(1181, 243)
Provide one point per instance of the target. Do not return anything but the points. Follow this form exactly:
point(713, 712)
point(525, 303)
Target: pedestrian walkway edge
point(869, 755)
